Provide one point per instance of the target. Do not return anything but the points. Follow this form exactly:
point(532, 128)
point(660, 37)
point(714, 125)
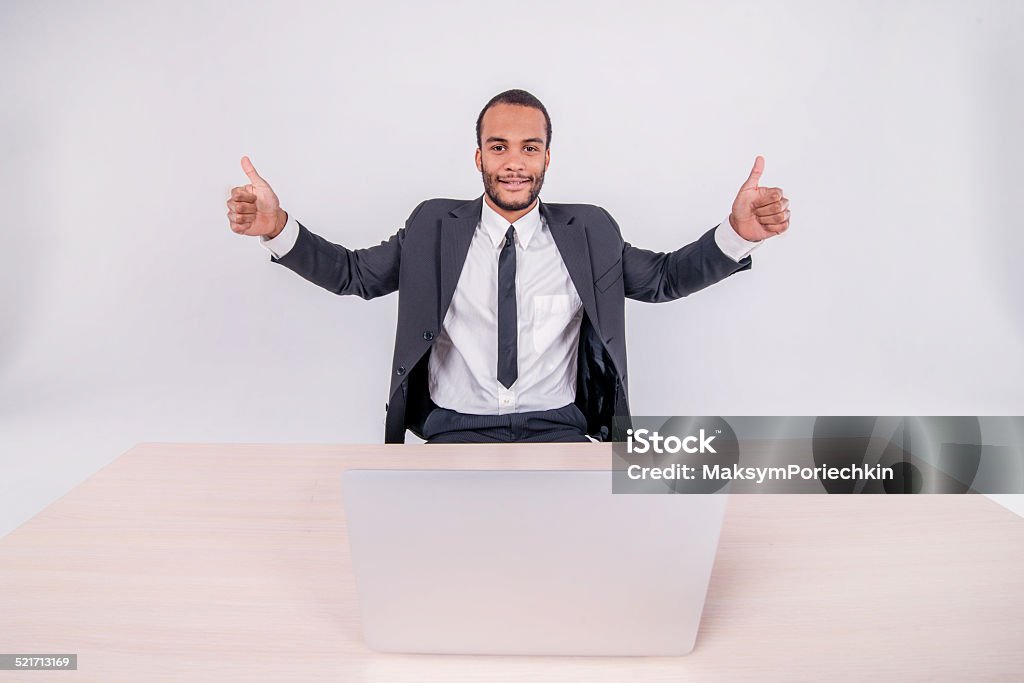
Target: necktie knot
point(510, 235)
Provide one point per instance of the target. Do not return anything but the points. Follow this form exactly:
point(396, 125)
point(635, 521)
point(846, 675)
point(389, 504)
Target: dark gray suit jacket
point(436, 237)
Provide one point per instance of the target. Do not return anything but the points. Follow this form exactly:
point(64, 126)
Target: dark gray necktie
point(508, 346)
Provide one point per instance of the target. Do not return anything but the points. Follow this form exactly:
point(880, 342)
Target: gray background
point(132, 313)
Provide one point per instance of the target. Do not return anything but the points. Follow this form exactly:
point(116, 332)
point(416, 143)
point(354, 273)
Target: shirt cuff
point(285, 240)
point(731, 244)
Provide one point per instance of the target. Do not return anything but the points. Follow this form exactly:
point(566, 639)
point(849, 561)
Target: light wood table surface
point(228, 562)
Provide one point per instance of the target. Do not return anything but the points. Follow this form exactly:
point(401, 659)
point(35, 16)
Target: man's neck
point(510, 216)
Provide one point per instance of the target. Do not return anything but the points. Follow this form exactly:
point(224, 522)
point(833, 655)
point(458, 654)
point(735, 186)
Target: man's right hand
point(254, 209)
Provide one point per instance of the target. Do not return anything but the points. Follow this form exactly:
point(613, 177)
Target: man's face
point(514, 155)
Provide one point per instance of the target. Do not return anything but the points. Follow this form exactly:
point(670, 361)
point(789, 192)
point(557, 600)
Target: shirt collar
point(495, 226)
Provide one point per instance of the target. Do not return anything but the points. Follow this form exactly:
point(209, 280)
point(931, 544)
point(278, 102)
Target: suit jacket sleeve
point(367, 273)
point(655, 277)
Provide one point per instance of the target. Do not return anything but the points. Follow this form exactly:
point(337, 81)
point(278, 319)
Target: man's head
point(513, 134)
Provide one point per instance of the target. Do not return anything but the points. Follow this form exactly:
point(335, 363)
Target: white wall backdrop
point(132, 313)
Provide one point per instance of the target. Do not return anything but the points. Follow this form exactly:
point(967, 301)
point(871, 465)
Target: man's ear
point(479, 167)
point(547, 158)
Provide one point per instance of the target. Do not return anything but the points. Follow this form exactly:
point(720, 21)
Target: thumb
point(250, 171)
point(755, 174)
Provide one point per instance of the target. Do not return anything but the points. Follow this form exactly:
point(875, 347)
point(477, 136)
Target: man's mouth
point(514, 183)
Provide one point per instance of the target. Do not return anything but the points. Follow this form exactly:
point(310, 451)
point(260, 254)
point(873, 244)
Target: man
point(511, 310)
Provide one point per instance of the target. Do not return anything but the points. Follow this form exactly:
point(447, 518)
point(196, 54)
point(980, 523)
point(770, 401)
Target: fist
point(759, 212)
point(253, 209)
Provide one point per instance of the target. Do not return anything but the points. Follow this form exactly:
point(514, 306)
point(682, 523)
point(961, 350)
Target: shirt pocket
point(552, 314)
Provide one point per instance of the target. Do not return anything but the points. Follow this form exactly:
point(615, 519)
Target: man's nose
point(515, 161)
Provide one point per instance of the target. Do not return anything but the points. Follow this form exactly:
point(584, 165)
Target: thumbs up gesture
point(759, 212)
point(254, 209)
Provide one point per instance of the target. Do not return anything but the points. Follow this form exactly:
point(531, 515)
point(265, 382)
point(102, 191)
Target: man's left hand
point(759, 212)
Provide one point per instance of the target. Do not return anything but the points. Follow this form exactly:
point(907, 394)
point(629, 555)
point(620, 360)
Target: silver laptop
point(527, 562)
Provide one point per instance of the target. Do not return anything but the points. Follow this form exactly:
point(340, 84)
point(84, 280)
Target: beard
point(492, 187)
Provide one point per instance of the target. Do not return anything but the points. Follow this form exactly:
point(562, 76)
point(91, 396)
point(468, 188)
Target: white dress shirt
point(462, 369)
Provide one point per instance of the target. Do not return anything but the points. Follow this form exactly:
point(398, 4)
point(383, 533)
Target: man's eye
point(531, 148)
point(498, 148)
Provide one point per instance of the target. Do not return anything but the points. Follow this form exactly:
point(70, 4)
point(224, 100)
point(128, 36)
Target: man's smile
point(514, 183)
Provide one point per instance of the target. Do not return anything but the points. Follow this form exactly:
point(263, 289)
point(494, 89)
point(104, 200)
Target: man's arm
point(255, 210)
point(367, 273)
point(758, 213)
point(655, 277)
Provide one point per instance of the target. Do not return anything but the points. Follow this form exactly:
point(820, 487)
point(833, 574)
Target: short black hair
point(515, 96)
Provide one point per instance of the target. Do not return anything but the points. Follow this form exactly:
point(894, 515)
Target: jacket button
point(400, 370)
point(428, 335)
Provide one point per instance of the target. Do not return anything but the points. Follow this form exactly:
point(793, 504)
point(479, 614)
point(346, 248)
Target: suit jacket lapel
point(571, 240)
point(456, 234)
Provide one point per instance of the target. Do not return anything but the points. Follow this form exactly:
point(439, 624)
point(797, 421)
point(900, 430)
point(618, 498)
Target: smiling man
point(511, 310)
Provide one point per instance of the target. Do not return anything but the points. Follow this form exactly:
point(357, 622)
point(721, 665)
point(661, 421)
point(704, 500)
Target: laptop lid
point(527, 562)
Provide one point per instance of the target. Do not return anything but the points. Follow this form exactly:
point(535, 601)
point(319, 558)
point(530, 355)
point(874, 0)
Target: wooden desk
point(216, 562)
